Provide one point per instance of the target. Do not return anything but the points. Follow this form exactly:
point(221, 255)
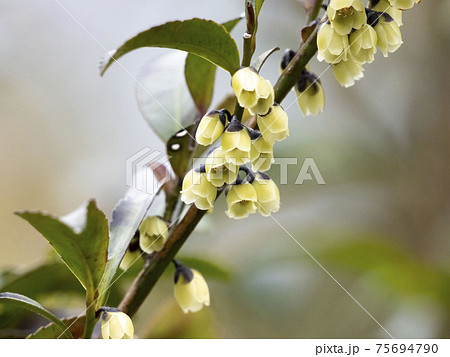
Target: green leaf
point(258, 63)
point(24, 302)
point(180, 148)
point(81, 243)
point(163, 97)
point(204, 38)
point(126, 217)
point(200, 75)
point(51, 331)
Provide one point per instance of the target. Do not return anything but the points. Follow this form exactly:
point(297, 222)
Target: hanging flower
point(389, 35)
point(261, 154)
point(190, 289)
point(241, 200)
point(218, 170)
point(116, 325)
point(252, 91)
point(347, 72)
point(403, 4)
point(363, 44)
point(310, 95)
point(153, 234)
point(212, 126)
point(236, 143)
point(268, 195)
point(198, 190)
point(274, 125)
point(346, 15)
point(332, 47)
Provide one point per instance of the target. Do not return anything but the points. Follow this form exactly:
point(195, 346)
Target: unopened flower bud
point(347, 72)
point(198, 190)
point(218, 170)
point(116, 325)
point(332, 47)
point(389, 35)
point(132, 254)
point(236, 143)
point(261, 154)
point(241, 200)
point(363, 44)
point(274, 125)
point(190, 290)
point(267, 193)
point(310, 95)
point(211, 126)
point(346, 15)
point(252, 91)
point(153, 234)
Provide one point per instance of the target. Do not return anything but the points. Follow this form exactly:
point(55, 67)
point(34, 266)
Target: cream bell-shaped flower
point(116, 325)
point(241, 200)
point(211, 126)
point(198, 190)
point(129, 258)
point(383, 6)
point(218, 170)
point(274, 125)
point(363, 44)
point(389, 35)
point(310, 94)
point(252, 91)
point(332, 47)
point(261, 154)
point(267, 193)
point(153, 234)
point(404, 4)
point(347, 72)
point(346, 15)
point(190, 289)
point(236, 143)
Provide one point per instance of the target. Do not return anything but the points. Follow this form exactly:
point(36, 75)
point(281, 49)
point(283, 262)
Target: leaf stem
point(90, 313)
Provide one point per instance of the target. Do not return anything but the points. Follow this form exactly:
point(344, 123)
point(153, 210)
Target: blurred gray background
point(380, 225)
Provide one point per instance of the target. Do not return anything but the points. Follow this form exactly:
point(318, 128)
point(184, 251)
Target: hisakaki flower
point(132, 254)
point(218, 170)
point(241, 200)
point(267, 193)
point(116, 325)
point(383, 6)
point(346, 15)
point(198, 190)
point(274, 125)
point(236, 143)
point(252, 91)
point(190, 289)
point(153, 234)
point(363, 44)
point(212, 126)
point(403, 4)
point(347, 72)
point(310, 95)
point(332, 47)
point(389, 35)
point(261, 154)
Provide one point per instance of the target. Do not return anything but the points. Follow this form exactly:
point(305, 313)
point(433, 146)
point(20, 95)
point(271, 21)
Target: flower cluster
point(350, 37)
point(239, 146)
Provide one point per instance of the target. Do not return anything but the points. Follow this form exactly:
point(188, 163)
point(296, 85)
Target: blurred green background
point(380, 225)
